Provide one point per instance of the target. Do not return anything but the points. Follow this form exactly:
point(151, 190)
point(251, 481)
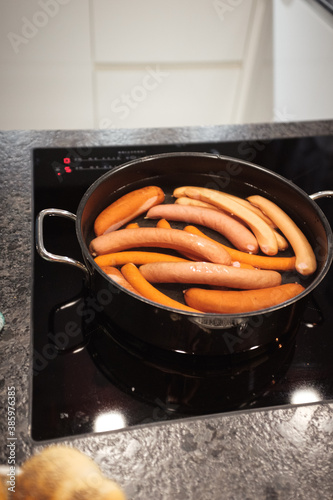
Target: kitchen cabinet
point(81, 64)
point(205, 50)
point(163, 95)
point(108, 64)
point(190, 31)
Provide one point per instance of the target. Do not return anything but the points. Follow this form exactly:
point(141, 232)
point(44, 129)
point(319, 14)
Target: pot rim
point(214, 316)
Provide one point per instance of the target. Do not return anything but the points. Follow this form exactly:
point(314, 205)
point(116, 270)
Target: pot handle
point(40, 239)
point(321, 194)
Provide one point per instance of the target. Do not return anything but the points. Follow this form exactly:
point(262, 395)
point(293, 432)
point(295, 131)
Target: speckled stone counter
point(275, 454)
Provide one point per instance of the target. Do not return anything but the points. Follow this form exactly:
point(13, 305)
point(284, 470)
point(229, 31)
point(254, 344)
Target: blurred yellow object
point(3, 490)
point(64, 473)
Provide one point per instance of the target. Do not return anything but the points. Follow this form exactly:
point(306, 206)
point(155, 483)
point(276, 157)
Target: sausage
point(306, 263)
point(236, 263)
point(251, 207)
point(118, 277)
point(136, 256)
point(132, 225)
point(263, 232)
point(281, 241)
point(239, 235)
point(207, 273)
point(177, 239)
point(164, 224)
point(233, 302)
point(126, 208)
point(133, 275)
point(184, 200)
point(260, 261)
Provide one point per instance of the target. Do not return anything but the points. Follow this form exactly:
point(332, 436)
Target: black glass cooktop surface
point(88, 378)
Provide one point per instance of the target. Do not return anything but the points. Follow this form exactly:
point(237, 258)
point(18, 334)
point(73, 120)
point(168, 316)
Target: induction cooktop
point(95, 381)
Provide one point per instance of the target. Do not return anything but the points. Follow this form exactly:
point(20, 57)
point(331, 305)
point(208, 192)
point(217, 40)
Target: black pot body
point(201, 334)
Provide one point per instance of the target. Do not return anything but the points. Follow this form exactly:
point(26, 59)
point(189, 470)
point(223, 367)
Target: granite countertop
point(283, 453)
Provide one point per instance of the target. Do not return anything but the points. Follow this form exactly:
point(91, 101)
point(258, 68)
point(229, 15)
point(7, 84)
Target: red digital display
point(68, 170)
point(67, 161)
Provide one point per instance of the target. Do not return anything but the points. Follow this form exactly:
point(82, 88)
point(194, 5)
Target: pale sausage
point(179, 240)
point(239, 235)
point(207, 273)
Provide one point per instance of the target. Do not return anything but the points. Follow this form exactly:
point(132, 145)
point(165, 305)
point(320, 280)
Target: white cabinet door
point(198, 46)
point(156, 31)
point(164, 96)
point(131, 63)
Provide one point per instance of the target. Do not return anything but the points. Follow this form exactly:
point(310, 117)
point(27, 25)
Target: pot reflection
point(179, 384)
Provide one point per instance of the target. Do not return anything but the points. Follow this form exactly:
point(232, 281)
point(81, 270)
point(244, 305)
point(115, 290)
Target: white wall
point(303, 60)
point(150, 63)
point(45, 64)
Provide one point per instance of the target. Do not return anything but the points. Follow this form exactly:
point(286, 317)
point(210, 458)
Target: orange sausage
point(305, 258)
point(236, 263)
point(132, 225)
point(177, 239)
point(144, 288)
point(118, 277)
point(164, 224)
point(239, 235)
point(233, 302)
point(137, 257)
point(259, 261)
point(126, 208)
point(208, 273)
